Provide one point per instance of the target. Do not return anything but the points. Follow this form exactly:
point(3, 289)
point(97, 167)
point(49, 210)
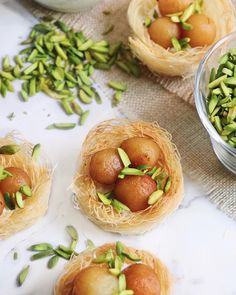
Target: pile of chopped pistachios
point(157, 173)
point(221, 100)
point(60, 62)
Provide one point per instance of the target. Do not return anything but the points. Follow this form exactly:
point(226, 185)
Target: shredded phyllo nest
point(40, 172)
point(65, 282)
point(174, 62)
point(110, 134)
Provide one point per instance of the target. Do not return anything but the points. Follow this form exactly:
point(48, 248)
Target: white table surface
point(198, 242)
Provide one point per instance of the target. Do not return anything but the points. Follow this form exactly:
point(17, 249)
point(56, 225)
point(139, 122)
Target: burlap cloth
point(148, 100)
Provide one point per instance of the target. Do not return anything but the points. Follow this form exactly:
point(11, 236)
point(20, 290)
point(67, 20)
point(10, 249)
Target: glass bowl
point(225, 153)
point(68, 5)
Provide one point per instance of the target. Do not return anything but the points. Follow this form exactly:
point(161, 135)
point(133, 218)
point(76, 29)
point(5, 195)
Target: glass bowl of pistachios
point(68, 5)
point(215, 98)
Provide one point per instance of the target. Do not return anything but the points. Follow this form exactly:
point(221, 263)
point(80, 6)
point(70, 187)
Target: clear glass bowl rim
point(199, 100)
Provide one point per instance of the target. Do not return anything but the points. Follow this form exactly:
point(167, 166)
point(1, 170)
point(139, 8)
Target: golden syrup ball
point(105, 166)
point(172, 6)
point(134, 191)
point(141, 151)
point(95, 280)
point(12, 184)
point(2, 203)
point(203, 32)
point(162, 30)
point(142, 279)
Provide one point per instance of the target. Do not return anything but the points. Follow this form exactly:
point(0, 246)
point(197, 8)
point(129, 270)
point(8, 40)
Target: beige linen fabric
point(147, 100)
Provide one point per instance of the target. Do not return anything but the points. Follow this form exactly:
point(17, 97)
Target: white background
point(198, 242)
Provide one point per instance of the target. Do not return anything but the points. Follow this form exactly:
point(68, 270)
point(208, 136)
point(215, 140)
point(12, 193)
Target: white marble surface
point(198, 242)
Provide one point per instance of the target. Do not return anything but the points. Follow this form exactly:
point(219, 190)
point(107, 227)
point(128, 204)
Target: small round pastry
point(25, 185)
point(13, 183)
point(105, 166)
point(203, 32)
point(147, 277)
point(141, 151)
point(142, 196)
point(181, 59)
point(134, 191)
point(162, 30)
point(95, 280)
point(2, 203)
point(173, 6)
point(142, 279)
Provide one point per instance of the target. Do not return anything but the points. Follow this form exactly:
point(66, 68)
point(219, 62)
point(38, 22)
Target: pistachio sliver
point(189, 11)
point(62, 254)
point(61, 126)
point(117, 86)
point(124, 157)
point(122, 282)
point(10, 149)
point(26, 190)
point(9, 201)
point(22, 275)
point(176, 44)
point(103, 199)
point(53, 261)
point(114, 271)
point(131, 257)
point(154, 197)
point(117, 205)
point(36, 152)
point(84, 117)
point(19, 200)
point(89, 244)
point(42, 254)
point(168, 184)
point(71, 230)
point(40, 247)
point(131, 171)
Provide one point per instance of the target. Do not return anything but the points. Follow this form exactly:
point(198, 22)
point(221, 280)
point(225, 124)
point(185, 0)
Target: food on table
point(203, 31)
point(25, 181)
point(221, 101)
point(172, 36)
point(173, 6)
point(114, 269)
point(162, 30)
point(129, 176)
point(105, 166)
point(60, 62)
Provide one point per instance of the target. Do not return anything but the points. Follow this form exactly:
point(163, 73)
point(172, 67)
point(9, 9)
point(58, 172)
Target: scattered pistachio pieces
point(11, 116)
point(103, 198)
point(42, 254)
point(89, 244)
point(131, 171)
point(10, 149)
point(108, 30)
point(60, 62)
point(22, 275)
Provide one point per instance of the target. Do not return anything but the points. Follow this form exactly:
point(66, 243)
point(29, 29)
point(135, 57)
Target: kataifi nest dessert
point(25, 183)
point(114, 269)
point(170, 37)
point(129, 177)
